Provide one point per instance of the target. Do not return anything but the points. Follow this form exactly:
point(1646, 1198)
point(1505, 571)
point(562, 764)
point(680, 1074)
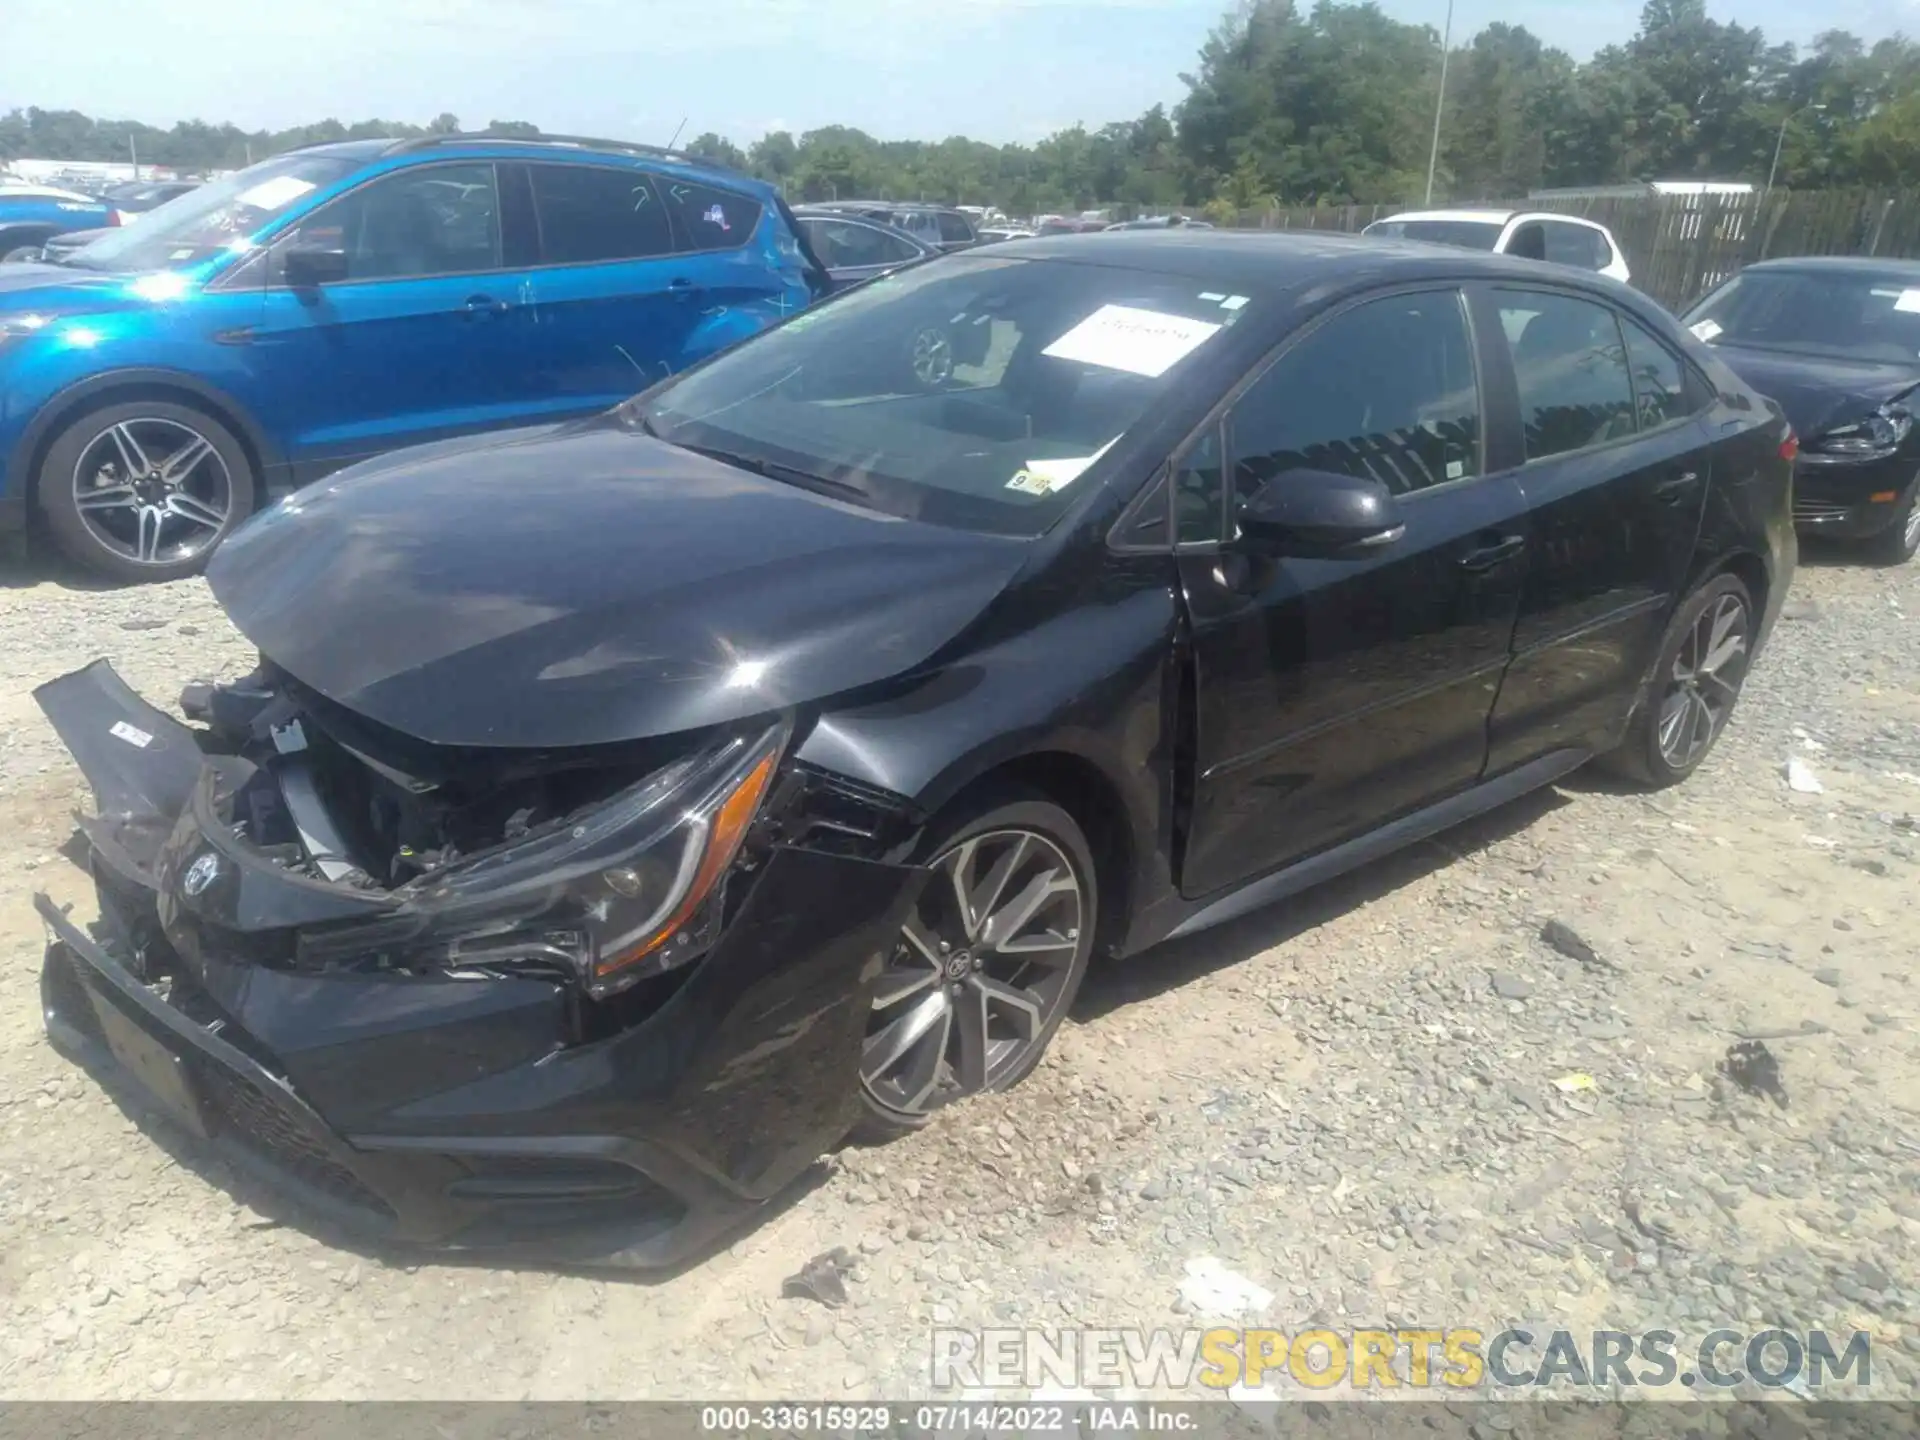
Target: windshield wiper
point(771, 470)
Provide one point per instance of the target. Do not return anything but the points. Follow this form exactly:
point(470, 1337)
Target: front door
point(425, 337)
point(1333, 695)
point(1614, 466)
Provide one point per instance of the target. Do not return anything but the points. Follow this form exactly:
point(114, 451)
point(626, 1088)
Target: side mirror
point(307, 267)
point(1320, 514)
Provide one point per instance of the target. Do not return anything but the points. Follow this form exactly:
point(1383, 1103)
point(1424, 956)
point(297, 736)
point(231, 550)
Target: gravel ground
point(1350, 1100)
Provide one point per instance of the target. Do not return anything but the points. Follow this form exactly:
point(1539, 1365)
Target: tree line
point(1291, 105)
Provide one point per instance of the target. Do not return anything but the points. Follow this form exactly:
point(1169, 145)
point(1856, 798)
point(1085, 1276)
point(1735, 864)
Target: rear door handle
point(1673, 490)
point(482, 307)
point(1498, 553)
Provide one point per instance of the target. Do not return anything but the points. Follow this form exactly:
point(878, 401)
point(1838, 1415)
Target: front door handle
point(1673, 490)
point(1497, 553)
point(681, 288)
point(484, 307)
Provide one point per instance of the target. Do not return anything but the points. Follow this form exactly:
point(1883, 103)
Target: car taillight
point(1790, 447)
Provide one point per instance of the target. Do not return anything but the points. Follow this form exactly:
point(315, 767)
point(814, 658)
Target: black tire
point(1642, 757)
point(1897, 544)
point(222, 481)
point(1006, 811)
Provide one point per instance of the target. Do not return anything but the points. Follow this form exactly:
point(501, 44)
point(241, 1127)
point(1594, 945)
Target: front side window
point(431, 220)
point(849, 244)
point(708, 218)
point(219, 217)
point(1571, 365)
point(982, 392)
point(1385, 391)
point(593, 213)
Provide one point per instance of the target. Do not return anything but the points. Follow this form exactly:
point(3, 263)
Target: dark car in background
point(936, 225)
point(136, 197)
point(855, 248)
point(1836, 341)
point(623, 811)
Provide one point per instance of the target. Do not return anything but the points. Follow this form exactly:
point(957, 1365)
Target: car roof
point(1277, 260)
point(1485, 216)
point(1842, 265)
point(560, 148)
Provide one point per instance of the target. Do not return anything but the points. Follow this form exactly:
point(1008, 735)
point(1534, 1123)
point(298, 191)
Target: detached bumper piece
point(482, 1111)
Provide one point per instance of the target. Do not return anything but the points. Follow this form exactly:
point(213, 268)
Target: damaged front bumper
point(457, 1109)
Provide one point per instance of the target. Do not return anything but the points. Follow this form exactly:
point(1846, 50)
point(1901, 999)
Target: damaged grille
point(280, 1134)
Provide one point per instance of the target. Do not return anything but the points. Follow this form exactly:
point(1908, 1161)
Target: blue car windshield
point(972, 391)
point(221, 215)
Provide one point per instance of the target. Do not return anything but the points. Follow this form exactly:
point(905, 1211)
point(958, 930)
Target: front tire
point(986, 966)
point(144, 490)
point(1899, 542)
point(1696, 683)
point(20, 254)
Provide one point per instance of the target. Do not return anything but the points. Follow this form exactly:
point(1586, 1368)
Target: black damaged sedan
point(622, 813)
point(1836, 341)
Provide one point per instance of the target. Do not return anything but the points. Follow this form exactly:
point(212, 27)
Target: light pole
point(1440, 101)
point(1781, 139)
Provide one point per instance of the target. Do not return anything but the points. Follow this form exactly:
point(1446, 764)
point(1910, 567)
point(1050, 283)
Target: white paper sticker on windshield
point(132, 734)
point(272, 194)
point(1233, 302)
point(1705, 329)
point(1909, 301)
point(1043, 477)
point(1212, 296)
point(1141, 342)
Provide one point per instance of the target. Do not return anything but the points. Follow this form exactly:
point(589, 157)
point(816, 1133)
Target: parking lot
point(1368, 1101)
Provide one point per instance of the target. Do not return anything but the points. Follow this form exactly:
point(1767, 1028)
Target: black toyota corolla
point(1836, 341)
point(622, 813)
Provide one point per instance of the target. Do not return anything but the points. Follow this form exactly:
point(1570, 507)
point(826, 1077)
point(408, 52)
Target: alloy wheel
point(979, 975)
point(153, 491)
point(1910, 531)
point(1704, 682)
point(932, 356)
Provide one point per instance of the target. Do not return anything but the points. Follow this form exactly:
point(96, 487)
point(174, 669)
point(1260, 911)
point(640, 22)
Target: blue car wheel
point(144, 490)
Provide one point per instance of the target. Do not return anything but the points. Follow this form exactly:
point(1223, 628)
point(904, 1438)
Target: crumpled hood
point(1819, 392)
point(584, 585)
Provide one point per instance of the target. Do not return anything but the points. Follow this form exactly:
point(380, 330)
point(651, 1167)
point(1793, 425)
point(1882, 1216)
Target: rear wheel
point(144, 490)
point(1703, 663)
point(985, 967)
point(1898, 543)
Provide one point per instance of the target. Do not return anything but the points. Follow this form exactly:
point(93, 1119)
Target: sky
point(998, 70)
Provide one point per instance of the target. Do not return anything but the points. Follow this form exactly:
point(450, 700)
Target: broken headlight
point(628, 889)
point(1874, 437)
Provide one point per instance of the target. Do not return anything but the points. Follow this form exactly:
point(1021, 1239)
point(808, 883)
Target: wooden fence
point(1680, 246)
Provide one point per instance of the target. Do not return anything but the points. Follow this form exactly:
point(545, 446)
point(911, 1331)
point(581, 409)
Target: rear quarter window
point(708, 217)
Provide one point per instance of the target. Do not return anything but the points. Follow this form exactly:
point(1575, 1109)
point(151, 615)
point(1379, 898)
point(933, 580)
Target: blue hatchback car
point(339, 301)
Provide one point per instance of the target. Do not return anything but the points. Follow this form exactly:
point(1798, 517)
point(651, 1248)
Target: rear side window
point(1529, 242)
point(1577, 246)
point(590, 213)
point(1571, 365)
point(954, 229)
point(707, 217)
point(1412, 422)
point(1661, 393)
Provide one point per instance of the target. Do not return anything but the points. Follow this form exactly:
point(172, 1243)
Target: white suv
point(1559, 239)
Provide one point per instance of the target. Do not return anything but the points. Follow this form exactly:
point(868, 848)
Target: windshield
point(1860, 316)
point(971, 392)
point(1465, 234)
point(199, 224)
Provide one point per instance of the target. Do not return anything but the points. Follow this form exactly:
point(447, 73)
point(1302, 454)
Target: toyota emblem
point(200, 874)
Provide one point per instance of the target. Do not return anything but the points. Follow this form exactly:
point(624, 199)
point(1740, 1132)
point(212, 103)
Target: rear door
point(1613, 460)
point(1333, 695)
point(614, 301)
point(427, 336)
